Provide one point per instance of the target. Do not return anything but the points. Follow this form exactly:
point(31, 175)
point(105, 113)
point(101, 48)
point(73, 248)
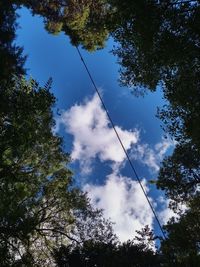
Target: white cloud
point(151, 157)
point(121, 198)
point(166, 213)
point(123, 202)
point(93, 136)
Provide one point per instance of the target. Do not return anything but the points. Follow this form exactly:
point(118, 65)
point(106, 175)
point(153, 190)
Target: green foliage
point(90, 225)
point(182, 246)
point(179, 174)
point(40, 210)
point(84, 21)
point(153, 38)
point(53, 27)
point(158, 45)
point(11, 55)
point(108, 254)
point(138, 25)
point(37, 200)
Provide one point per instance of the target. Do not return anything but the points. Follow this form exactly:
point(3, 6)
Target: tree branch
point(59, 232)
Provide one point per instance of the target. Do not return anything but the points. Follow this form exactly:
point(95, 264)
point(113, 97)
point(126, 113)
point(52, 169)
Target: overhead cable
point(121, 143)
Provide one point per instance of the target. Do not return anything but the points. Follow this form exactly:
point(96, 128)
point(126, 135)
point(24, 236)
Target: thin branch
point(59, 232)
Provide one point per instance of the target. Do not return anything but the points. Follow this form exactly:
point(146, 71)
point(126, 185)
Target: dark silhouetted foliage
point(109, 254)
point(11, 59)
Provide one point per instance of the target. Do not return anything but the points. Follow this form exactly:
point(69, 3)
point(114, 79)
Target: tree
point(145, 239)
point(182, 246)
point(153, 37)
point(11, 55)
point(179, 175)
point(84, 21)
point(103, 253)
point(40, 210)
point(38, 202)
point(91, 225)
point(89, 254)
point(159, 46)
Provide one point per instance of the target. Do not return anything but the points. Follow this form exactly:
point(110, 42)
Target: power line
point(121, 143)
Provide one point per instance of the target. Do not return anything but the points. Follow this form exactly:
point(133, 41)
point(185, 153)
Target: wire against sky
point(121, 143)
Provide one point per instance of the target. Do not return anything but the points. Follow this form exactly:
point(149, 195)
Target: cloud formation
point(165, 213)
point(151, 157)
point(120, 197)
point(93, 135)
point(123, 202)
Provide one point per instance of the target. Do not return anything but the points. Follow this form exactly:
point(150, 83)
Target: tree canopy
point(84, 21)
point(11, 57)
point(37, 200)
point(108, 254)
point(158, 44)
point(43, 217)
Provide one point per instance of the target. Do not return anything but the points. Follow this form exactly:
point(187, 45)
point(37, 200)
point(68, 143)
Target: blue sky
point(99, 164)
